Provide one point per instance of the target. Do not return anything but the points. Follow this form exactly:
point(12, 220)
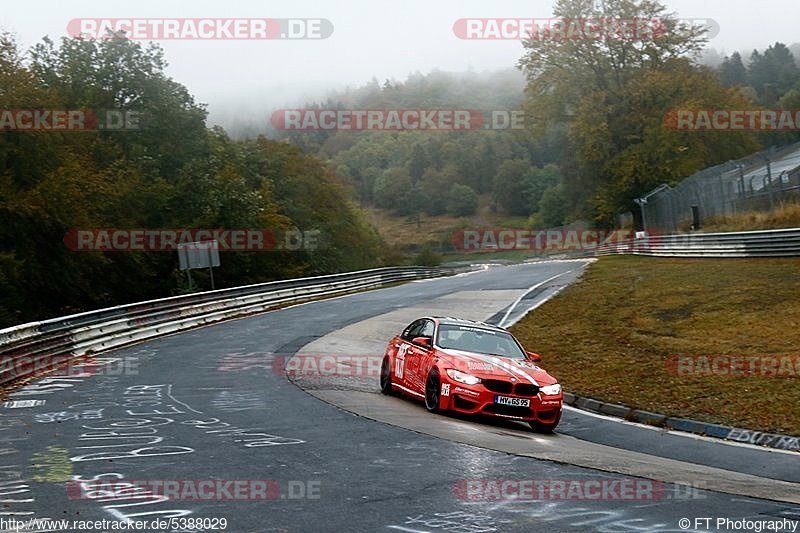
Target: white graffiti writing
point(64, 416)
point(252, 438)
point(121, 497)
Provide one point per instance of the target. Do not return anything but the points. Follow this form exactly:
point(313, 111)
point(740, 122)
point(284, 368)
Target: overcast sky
point(385, 39)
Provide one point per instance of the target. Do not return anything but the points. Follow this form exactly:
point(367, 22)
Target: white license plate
point(515, 402)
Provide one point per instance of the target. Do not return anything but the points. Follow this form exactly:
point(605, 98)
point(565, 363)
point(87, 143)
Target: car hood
point(497, 367)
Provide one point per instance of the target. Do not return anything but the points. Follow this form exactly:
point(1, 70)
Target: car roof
point(452, 321)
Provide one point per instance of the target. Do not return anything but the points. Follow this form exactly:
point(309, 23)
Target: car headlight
point(551, 390)
point(463, 377)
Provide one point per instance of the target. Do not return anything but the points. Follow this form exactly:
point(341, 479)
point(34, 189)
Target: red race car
point(471, 368)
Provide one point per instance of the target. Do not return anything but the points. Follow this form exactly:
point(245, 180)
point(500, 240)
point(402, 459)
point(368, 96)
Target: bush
point(427, 257)
point(462, 200)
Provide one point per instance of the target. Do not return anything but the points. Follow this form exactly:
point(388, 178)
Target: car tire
point(538, 427)
point(386, 376)
point(432, 391)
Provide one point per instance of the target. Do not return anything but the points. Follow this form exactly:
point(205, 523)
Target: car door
point(403, 347)
point(417, 357)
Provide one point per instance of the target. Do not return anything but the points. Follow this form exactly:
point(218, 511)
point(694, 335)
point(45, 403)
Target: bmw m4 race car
point(471, 368)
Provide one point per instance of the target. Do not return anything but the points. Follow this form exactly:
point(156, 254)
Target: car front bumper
point(476, 399)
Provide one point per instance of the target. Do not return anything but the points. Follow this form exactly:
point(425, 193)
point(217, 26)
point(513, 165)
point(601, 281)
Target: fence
point(759, 182)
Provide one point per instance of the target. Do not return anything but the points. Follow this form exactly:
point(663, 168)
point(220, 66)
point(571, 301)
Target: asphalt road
point(213, 404)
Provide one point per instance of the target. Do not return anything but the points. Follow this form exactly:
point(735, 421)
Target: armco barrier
point(767, 243)
point(46, 344)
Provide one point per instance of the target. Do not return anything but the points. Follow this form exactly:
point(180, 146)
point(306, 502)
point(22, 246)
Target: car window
point(419, 328)
point(427, 329)
point(479, 340)
point(413, 330)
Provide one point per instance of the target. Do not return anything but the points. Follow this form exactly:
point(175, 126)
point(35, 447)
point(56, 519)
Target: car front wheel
point(432, 389)
point(540, 427)
point(543, 428)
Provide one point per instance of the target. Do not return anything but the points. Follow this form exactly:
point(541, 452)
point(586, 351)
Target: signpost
point(201, 254)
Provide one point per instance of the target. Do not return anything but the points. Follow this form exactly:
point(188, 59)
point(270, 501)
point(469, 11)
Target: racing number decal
point(400, 361)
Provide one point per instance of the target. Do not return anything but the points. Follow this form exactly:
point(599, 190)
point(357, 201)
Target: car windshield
point(478, 340)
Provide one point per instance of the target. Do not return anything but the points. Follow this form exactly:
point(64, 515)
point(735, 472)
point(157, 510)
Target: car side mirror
point(423, 341)
point(535, 357)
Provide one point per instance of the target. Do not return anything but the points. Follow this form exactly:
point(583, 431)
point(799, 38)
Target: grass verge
point(610, 336)
point(784, 216)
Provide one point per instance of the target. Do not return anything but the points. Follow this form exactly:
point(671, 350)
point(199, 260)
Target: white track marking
point(530, 289)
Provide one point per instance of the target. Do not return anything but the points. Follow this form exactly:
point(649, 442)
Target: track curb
point(758, 438)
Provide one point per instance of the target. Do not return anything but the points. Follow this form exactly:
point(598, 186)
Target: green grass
point(784, 216)
point(404, 231)
point(483, 256)
point(609, 336)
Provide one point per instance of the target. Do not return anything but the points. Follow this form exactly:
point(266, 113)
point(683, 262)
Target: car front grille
point(497, 385)
point(526, 389)
point(506, 387)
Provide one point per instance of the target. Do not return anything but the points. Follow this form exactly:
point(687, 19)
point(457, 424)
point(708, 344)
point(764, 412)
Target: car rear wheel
point(432, 388)
point(386, 375)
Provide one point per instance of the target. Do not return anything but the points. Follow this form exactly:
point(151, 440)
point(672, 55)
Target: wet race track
point(206, 428)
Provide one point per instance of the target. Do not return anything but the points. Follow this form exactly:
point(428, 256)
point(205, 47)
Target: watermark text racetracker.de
point(326, 365)
point(60, 120)
point(165, 240)
point(159, 29)
point(345, 366)
point(537, 240)
point(590, 489)
point(733, 119)
point(575, 29)
point(25, 364)
point(396, 119)
point(201, 489)
point(734, 366)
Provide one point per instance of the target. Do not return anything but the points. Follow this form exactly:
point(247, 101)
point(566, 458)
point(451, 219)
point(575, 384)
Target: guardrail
point(44, 345)
point(766, 243)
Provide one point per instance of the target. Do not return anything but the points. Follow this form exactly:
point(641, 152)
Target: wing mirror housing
point(422, 341)
point(535, 357)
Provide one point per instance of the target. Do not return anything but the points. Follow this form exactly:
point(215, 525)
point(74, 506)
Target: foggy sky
point(371, 38)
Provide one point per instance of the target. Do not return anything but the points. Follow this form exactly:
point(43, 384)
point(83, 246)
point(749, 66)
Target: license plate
point(514, 402)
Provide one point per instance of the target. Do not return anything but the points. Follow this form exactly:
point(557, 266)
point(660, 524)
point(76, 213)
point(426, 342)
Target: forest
point(170, 173)
point(594, 139)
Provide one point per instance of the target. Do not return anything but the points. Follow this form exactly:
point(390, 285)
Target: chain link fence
point(760, 182)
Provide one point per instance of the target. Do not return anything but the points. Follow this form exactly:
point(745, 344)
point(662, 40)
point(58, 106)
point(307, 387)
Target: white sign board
point(202, 254)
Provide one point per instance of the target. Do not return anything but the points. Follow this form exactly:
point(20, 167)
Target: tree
point(433, 188)
point(173, 173)
point(511, 187)
point(461, 200)
point(394, 191)
point(418, 163)
point(114, 74)
point(791, 100)
point(613, 95)
point(772, 73)
point(486, 166)
point(553, 209)
point(732, 71)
